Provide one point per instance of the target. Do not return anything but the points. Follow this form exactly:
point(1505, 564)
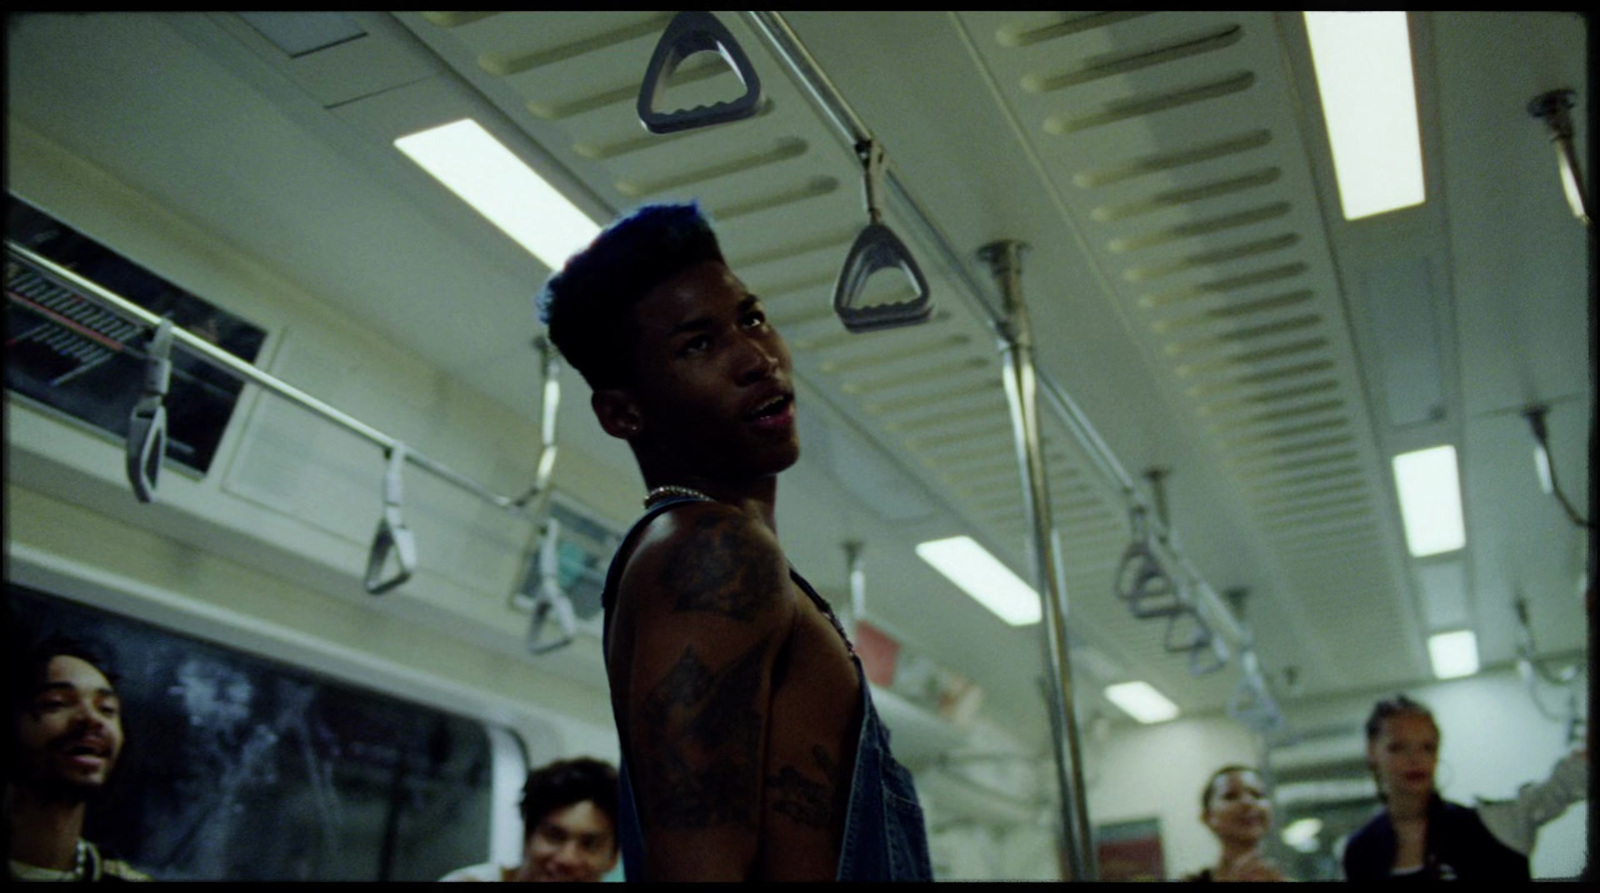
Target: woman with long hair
point(1235, 807)
point(1419, 834)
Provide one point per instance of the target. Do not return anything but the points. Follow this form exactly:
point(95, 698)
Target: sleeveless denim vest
point(884, 836)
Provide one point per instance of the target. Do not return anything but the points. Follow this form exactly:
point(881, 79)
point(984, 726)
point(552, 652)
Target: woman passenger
point(1420, 835)
point(1235, 807)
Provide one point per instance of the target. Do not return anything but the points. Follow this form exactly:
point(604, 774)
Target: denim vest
point(884, 836)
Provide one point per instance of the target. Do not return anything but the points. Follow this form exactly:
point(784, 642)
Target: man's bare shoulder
point(707, 557)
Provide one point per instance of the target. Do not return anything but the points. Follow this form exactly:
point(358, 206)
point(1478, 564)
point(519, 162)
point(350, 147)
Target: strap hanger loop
point(549, 602)
point(1141, 581)
point(147, 425)
point(393, 536)
point(875, 249)
point(688, 33)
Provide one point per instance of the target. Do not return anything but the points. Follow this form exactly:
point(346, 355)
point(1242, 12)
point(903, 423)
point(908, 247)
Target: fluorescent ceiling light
point(489, 177)
point(1142, 702)
point(1301, 834)
point(1430, 500)
point(983, 577)
point(1369, 103)
point(1453, 654)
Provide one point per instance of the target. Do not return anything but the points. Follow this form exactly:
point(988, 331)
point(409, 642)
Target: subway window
point(79, 360)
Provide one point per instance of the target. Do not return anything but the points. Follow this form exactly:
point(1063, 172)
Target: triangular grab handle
point(1186, 632)
point(1147, 589)
point(875, 249)
point(688, 33)
point(549, 602)
point(1208, 656)
point(147, 424)
point(393, 536)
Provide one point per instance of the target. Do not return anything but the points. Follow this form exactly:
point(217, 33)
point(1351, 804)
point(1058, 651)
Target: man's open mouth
point(100, 750)
point(771, 408)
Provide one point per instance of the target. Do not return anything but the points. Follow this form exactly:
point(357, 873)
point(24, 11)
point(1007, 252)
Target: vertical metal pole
point(1005, 262)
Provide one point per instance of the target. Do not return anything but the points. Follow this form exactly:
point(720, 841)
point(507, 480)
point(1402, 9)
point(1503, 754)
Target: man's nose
point(757, 360)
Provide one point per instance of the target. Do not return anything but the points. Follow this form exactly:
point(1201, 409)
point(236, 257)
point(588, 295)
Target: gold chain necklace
point(674, 490)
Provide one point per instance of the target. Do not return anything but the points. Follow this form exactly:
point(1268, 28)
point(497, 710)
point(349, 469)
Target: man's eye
point(696, 345)
point(755, 319)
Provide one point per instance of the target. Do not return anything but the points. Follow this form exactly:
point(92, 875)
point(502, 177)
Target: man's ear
point(618, 412)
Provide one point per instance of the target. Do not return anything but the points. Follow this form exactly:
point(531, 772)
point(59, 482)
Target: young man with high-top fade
point(750, 746)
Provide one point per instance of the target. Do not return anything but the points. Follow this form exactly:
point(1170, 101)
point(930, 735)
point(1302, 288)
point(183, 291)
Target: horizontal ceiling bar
point(247, 372)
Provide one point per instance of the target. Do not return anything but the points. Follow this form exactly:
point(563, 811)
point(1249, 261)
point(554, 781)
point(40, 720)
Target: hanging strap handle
point(539, 493)
point(877, 248)
point(1207, 656)
point(393, 536)
point(147, 425)
point(1251, 702)
point(1140, 580)
point(691, 32)
point(549, 602)
point(1186, 631)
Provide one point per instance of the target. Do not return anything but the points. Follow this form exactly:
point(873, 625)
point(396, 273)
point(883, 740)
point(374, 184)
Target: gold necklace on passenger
point(674, 490)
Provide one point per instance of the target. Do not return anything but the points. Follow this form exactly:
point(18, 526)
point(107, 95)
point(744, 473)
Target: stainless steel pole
point(1005, 261)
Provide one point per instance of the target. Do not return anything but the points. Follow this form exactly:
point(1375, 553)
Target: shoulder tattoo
point(723, 568)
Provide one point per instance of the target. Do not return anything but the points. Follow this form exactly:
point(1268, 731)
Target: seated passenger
point(1235, 807)
point(66, 728)
point(1418, 834)
point(569, 821)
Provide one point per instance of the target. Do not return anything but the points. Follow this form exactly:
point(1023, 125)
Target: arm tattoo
point(806, 801)
point(722, 569)
point(704, 728)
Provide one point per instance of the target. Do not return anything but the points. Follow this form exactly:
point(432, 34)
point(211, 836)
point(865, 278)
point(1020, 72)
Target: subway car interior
point(1095, 297)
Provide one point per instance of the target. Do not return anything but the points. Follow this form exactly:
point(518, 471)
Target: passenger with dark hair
point(1420, 835)
point(66, 729)
point(1234, 805)
point(569, 822)
point(751, 748)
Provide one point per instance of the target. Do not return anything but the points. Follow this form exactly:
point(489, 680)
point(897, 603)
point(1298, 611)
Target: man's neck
point(44, 831)
point(757, 498)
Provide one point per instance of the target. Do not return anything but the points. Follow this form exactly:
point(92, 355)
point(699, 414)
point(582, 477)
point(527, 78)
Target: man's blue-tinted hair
point(587, 304)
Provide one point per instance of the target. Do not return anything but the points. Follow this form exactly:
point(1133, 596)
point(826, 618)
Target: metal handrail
point(250, 374)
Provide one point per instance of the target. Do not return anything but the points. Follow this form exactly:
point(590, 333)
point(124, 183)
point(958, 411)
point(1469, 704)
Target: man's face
point(70, 731)
point(573, 843)
point(715, 388)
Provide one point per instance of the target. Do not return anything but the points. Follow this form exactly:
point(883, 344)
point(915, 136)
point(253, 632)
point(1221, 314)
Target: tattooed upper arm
point(713, 610)
point(724, 564)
